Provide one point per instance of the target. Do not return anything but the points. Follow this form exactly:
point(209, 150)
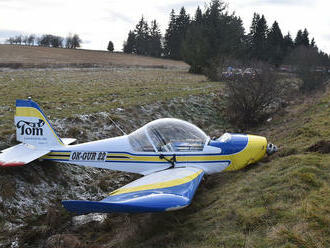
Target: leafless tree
point(252, 98)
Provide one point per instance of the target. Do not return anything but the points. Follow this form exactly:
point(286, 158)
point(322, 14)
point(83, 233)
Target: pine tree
point(313, 43)
point(218, 35)
point(250, 36)
point(275, 45)
point(170, 36)
point(129, 44)
point(142, 37)
point(305, 38)
point(255, 19)
point(175, 34)
point(259, 40)
point(195, 49)
point(110, 46)
point(298, 41)
point(288, 45)
point(155, 46)
point(198, 16)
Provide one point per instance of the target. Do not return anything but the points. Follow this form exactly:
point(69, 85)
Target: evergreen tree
point(170, 36)
point(313, 43)
point(255, 20)
point(110, 46)
point(298, 41)
point(198, 16)
point(259, 40)
point(129, 44)
point(275, 45)
point(288, 45)
point(155, 46)
point(195, 47)
point(305, 38)
point(142, 37)
point(216, 36)
point(175, 34)
point(249, 37)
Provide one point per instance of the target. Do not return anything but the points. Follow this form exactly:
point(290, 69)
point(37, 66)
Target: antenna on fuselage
point(117, 126)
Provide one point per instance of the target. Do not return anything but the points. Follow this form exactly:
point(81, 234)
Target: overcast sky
point(99, 21)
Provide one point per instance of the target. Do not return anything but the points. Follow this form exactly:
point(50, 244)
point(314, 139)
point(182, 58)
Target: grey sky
point(99, 21)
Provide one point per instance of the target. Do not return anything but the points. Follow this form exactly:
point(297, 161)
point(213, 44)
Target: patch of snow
point(88, 218)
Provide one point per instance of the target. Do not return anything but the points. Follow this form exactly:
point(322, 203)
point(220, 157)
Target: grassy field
point(283, 201)
point(64, 93)
point(17, 56)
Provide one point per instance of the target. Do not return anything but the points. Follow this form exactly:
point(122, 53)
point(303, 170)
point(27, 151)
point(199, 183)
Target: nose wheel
point(271, 149)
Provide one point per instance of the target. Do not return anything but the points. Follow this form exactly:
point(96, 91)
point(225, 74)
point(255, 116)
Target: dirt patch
point(322, 146)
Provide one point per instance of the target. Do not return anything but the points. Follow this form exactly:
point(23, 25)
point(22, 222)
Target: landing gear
point(271, 149)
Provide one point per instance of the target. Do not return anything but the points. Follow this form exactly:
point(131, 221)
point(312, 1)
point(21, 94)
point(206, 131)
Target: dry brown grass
point(17, 56)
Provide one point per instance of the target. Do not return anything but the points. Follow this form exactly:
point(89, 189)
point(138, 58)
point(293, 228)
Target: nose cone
point(257, 148)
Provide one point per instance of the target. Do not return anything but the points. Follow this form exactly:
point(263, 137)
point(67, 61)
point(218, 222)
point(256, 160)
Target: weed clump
point(322, 146)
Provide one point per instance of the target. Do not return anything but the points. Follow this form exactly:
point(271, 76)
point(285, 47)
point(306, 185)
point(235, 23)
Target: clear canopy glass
point(168, 135)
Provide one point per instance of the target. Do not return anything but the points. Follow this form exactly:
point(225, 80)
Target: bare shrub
point(312, 80)
point(309, 68)
point(252, 98)
point(63, 241)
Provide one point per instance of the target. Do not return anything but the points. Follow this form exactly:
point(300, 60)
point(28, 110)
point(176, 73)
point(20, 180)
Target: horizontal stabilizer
point(161, 191)
point(68, 141)
point(20, 154)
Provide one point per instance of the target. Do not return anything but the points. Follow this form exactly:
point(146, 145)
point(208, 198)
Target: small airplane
point(172, 154)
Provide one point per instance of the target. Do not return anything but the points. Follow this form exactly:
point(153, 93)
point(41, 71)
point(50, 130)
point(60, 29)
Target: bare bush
point(252, 98)
point(312, 80)
point(309, 68)
point(63, 241)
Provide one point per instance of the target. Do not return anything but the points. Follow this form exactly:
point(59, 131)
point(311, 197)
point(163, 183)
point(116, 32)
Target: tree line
point(145, 39)
point(47, 40)
point(214, 34)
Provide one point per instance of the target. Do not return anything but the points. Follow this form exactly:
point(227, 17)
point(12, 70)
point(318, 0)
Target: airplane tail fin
point(33, 127)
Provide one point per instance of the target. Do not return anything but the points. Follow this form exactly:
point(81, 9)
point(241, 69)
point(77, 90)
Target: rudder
point(33, 127)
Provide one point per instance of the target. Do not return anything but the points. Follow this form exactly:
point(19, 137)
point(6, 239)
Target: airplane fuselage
point(117, 154)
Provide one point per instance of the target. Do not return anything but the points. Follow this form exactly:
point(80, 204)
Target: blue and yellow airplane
point(173, 155)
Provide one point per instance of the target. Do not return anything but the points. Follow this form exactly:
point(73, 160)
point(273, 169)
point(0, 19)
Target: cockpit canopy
point(168, 135)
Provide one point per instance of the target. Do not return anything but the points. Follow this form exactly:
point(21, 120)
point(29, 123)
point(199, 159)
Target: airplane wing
point(161, 191)
point(20, 154)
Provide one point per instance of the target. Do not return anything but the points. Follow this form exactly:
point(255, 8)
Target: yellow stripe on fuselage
point(157, 159)
point(59, 153)
point(54, 157)
point(171, 183)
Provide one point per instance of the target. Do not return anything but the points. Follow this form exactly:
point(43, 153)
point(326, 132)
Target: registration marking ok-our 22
point(88, 156)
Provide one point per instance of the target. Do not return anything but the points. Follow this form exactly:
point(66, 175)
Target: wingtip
point(11, 164)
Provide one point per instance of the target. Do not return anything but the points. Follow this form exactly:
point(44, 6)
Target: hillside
point(17, 56)
point(281, 202)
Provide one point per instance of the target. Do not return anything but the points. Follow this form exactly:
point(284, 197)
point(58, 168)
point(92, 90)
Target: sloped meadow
point(282, 201)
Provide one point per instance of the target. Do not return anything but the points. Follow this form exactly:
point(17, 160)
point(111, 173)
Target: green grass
point(64, 93)
point(280, 202)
